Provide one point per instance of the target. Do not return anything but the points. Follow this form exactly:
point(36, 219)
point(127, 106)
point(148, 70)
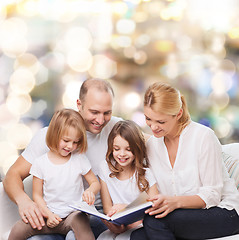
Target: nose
point(154, 126)
point(122, 152)
point(100, 119)
point(69, 145)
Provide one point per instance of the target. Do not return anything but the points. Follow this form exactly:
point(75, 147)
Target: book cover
point(133, 212)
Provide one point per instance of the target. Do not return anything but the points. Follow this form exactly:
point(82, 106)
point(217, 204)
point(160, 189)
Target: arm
point(93, 189)
point(13, 185)
point(52, 219)
point(107, 206)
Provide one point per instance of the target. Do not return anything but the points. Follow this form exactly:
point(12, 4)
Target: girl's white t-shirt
point(63, 183)
point(123, 191)
point(198, 168)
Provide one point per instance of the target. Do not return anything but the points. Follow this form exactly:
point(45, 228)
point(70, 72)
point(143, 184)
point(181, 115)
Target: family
point(179, 166)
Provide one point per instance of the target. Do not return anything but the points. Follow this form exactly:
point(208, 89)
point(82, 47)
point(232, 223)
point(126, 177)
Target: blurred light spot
point(18, 104)
point(42, 75)
point(164, 46)
point(78, 38)
point(142, 40)
point(140, 16)
point(221, 82)
point(79, 60)
point(119, 7)
point(222, 128)
point(71, 94)
point(37, 109)
point(7, 149)
point(3, 12)
point(22, 81)
point(7, 118)
point(220, 100)
point(19, 135)
point(1, 94)
point(234, 33)
point(28, 61)
point(131, 100)
point(125, 26)
point(228, 66)
point(140, 57)
point(184, 43)
point(12, 41)
point(8, 162)
point(129, 52)
point(54, 61)
point(139, 118)
point(123, 41)
point(28, 8)
point(103, 67)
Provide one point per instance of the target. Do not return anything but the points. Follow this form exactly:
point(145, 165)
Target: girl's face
point(122, 152)
point(68, 142)
point(161, 124)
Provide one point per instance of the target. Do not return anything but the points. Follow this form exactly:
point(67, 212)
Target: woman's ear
point(180, 113)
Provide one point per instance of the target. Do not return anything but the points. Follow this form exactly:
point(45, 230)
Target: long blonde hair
point(165, 99)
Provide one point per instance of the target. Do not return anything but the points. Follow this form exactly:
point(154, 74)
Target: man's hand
point(30, 213)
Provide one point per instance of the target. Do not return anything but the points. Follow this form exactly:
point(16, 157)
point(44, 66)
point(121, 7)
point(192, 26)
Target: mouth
point(96, 125)
point(123, 160)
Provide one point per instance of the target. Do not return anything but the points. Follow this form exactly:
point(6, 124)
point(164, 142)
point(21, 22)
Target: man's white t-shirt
point(123, 191)
point(62, 183)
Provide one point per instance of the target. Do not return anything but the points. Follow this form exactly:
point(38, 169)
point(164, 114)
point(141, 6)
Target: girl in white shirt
point(124, 176)
point(197, 198)
point(57, 180)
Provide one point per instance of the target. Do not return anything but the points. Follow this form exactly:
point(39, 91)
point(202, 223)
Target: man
point(95, 106)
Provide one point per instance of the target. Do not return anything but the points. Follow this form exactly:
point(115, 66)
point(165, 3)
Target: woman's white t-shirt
point(198, 168)
point(63, 183)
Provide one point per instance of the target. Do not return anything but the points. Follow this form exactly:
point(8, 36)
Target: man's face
point(96, 109)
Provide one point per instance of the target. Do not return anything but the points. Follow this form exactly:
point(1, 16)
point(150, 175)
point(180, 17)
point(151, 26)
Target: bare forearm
point(94, 187)
point(42, 205)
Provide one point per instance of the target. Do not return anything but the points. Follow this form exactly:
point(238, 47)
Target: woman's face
point(162, 125)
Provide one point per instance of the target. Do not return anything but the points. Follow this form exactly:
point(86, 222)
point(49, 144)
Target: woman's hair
point(129, 131)
point(165, 99)
point(61, 121)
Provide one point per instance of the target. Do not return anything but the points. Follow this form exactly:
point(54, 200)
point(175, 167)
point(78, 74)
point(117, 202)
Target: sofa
point(9, 212)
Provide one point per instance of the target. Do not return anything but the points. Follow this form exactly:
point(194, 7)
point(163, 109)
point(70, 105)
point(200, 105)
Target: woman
point(197, 199)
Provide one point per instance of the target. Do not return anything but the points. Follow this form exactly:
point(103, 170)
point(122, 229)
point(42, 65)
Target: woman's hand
point(162, 205)
point(89, 197)
point(53, 220)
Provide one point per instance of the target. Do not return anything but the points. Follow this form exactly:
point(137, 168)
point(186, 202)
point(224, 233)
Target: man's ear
point(180, 113)
point(79, 104)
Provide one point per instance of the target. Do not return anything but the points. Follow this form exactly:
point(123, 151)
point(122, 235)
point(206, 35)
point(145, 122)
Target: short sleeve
point(36, 147)
point(150, 177)
point(36, 168)
point(84, 163)
point(104, 171)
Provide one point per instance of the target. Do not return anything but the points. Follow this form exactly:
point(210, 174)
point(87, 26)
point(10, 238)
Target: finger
point(39, 220)
point(158, 211)
point(24, 218)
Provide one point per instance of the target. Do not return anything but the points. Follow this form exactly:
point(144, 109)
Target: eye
point(160, 122)
point(115, 149)
point(147, 119)
point(65, 140)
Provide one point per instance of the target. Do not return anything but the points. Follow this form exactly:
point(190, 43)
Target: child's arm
point(93, 189)
point(37, 194)
point(105, 197)
point(152, 191)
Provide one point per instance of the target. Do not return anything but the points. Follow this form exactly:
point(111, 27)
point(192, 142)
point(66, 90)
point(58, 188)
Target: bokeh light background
point(49, 47)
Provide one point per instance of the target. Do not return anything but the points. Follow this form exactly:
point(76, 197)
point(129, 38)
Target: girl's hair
point(61, 121)
point(165, 99)
point(129, 131)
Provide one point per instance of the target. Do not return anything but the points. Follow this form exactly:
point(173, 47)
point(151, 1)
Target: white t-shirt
point(123, 191)
point(96, 151)
point(63, 183)
point(198, 168)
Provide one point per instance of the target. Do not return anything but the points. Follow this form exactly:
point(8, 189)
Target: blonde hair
point(61, 121)
point(131, 132)
point(165, 99)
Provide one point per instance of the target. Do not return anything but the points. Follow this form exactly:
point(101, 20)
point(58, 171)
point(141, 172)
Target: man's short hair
point(100, 84)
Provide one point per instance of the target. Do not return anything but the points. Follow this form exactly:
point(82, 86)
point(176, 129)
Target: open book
point(130, 214)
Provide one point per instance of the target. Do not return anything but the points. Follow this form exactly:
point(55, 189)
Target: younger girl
point(125, 175)
point(57, 180)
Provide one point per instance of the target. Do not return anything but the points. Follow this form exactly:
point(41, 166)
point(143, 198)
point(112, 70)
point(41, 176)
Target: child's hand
point(53, 220)
point(116, 208)
point(88, 197)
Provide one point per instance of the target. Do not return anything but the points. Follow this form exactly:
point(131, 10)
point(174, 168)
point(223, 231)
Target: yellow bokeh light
point(125, 26)
point(28, 61)
point(131, 100)
point(22, 81)
point(18, 104)
point(164, 46)
point(15, 135)
point(80, 60)
point(234, 33)
point(103, 67)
